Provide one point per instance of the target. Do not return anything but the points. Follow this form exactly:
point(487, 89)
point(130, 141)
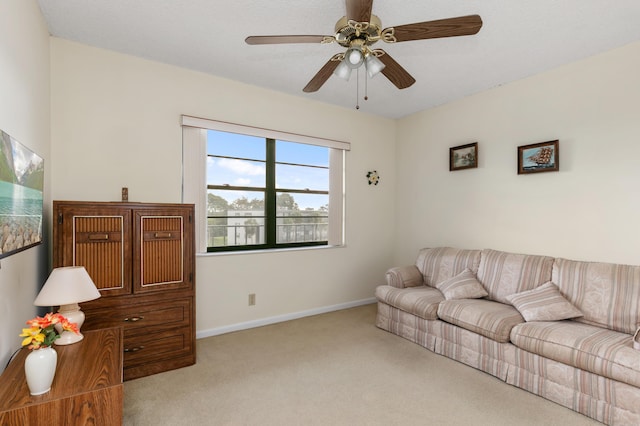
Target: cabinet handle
point(136, 349)
point(100, 237)
point(162, 235)
point(134, 319)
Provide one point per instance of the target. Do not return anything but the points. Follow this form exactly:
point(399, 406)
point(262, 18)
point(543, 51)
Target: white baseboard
point(200, 334)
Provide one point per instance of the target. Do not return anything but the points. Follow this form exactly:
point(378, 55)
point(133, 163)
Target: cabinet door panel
point(163, 252)
point(96, 239)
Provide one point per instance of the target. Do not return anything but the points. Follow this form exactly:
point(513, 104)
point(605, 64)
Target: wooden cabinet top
point(124, 204)
point(92, 364)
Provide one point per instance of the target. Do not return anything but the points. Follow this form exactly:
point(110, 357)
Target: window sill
point(266, 251)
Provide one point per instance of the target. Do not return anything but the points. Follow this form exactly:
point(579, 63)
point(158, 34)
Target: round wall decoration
point(373, 177)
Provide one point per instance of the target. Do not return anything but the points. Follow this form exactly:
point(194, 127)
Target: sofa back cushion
point(607, 294)
point(503, 274)
point(441, 263)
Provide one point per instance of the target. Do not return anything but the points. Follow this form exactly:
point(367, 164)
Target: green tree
point(243, 203)
point(216, 204)
point(287, 202)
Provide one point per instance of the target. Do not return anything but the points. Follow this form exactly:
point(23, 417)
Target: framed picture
point(538, 157)
point(463, 157)
point(21, 196)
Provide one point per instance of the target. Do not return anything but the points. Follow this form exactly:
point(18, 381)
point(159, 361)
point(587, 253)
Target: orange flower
point(42, 331)
point(69, 326)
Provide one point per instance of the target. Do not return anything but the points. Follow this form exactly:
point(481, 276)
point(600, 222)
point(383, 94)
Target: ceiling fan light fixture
point(343, 70)
point(373, 65)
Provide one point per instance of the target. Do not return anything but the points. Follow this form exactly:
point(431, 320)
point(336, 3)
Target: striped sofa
point(558, 328)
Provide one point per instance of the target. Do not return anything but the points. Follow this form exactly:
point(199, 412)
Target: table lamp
point(66, 287)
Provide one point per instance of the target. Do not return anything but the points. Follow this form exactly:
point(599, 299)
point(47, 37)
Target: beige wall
point(24, 114)
point(115, 122)
point(589, 210)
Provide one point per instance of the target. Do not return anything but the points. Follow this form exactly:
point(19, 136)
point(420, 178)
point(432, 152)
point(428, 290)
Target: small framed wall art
point(539, 157)
point(463, 157)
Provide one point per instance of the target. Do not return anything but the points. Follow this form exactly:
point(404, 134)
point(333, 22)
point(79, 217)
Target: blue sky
point(252, 173)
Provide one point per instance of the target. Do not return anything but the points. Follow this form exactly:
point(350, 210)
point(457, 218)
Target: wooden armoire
point(141, 258)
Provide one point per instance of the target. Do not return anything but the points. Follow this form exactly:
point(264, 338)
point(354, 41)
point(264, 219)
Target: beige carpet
point(331, 369)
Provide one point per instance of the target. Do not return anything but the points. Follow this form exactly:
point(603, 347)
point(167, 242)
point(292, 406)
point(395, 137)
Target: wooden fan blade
point(395, 73)
point(322, 76)
point(282, 39)
point(452, 27)
point(359, 10)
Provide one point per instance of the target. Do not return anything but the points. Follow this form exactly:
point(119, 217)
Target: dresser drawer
point(155, 346)
point(142, 319)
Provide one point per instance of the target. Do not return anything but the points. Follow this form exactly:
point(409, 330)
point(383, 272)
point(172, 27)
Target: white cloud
point(241, 167)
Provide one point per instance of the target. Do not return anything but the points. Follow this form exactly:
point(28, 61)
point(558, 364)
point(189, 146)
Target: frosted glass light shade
point(373, 65)
point(343, 71)
point(66, 287)
point(354, 57)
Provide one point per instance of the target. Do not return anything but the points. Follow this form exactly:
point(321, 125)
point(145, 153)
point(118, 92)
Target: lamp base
point(68, 338)
point(72, 313)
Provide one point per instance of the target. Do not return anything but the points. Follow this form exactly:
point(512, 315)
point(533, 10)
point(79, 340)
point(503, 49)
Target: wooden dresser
point(141, 258)
point(86, 390)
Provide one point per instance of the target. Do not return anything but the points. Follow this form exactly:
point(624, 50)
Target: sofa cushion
point(490, 319)
point(439, 264)
point(544, 303)
point(462, 286)
point(503, 274)
point(420, 301)
point(606, 293)
point(595, 349)
point(404, 276)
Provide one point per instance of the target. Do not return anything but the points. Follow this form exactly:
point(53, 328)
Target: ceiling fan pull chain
point(366, 87)
point(357, 88)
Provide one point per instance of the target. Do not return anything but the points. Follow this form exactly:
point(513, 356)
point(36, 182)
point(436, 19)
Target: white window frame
point(194, 171)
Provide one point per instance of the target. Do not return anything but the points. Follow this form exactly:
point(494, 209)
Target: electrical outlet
point(252, 299)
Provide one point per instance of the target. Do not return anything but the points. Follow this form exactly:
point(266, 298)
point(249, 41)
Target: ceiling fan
point(359, 30)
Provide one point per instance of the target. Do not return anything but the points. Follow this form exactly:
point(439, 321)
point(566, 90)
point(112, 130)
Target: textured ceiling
point(519, 38)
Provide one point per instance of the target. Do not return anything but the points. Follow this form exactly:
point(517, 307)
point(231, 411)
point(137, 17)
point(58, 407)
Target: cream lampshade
point(66, 287)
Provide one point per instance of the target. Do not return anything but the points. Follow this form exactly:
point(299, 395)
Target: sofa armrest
point(404, 276)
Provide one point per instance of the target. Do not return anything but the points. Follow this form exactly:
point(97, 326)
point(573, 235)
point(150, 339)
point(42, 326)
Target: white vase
point(40, 368)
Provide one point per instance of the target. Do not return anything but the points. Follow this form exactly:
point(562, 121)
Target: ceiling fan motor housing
point(348, 31)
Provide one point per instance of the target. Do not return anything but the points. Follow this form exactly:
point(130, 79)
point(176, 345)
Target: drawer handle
point(136, 349)
point(134, 319)
point(162, 234)
point(98, 237)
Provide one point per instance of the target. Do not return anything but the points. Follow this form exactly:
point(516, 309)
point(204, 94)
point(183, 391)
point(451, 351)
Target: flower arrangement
point(42, 331)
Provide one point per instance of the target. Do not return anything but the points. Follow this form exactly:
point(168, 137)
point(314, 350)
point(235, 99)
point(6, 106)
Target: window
point(262, 189)
point(264, 193)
